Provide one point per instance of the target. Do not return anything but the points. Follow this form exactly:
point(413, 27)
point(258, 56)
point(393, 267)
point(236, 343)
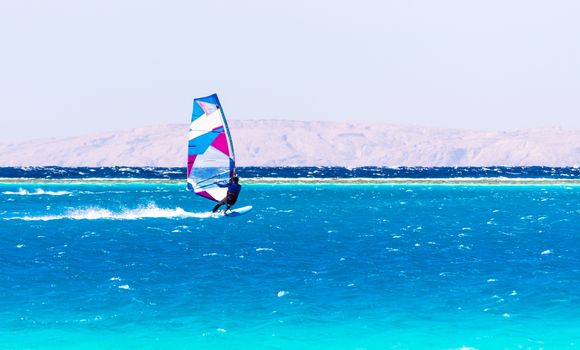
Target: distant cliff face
point(295, 143)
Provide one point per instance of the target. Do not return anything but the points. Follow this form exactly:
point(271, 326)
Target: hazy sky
point(72, 67)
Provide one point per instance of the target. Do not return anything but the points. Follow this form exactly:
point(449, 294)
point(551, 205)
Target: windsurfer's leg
point(217, 206)
point(230, 204)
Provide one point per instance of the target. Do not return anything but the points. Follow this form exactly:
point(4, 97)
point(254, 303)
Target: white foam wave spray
point(149, 211)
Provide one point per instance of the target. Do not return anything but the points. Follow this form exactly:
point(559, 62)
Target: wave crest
point(151, 211)
point(38, 192)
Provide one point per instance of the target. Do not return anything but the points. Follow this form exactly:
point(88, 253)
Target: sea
point(329, 258)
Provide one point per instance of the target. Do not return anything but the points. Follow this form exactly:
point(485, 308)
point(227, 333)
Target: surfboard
point(234, 212)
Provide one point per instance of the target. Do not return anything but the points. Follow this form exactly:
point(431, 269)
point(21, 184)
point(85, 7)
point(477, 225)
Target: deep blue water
point(313, 266)
point(293, 172)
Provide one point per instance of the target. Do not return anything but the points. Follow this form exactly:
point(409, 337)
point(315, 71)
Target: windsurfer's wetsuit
point(232, 196)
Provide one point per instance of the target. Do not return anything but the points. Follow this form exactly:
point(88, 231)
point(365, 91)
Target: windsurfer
point(230, 199)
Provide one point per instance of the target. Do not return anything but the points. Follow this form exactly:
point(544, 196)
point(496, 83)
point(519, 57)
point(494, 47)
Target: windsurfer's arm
point(224, 183)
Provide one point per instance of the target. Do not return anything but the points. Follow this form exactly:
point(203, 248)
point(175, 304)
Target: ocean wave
point(178, 173)
point(149, 212)
point(313, 180)
point(38, 192)
point(415, 181)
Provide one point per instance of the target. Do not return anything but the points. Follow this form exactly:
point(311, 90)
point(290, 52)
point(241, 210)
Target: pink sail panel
point(206, 195)
point(221, 144)
point(190, 161)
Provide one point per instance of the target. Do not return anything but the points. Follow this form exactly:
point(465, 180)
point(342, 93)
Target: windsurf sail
point(210, 157)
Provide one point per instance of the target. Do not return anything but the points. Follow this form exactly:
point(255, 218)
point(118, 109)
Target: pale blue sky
point(72, 67)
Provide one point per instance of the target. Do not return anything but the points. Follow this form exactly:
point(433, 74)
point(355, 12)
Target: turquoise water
point(314, 266)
